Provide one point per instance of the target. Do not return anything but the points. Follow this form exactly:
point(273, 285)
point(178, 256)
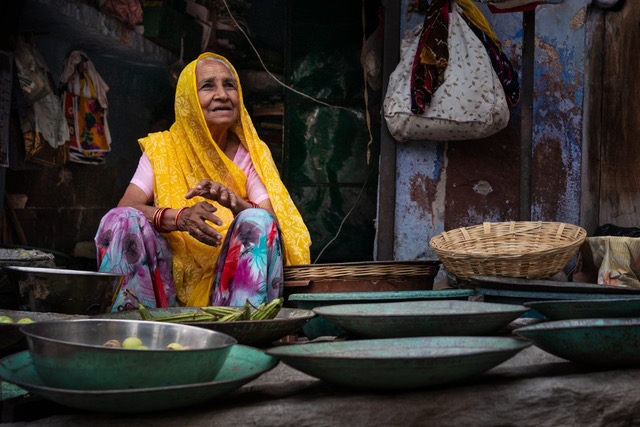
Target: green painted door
point(330, 153)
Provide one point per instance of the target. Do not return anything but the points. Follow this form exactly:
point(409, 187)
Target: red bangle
point(160, 227)
point(254, 205)
point(157, 219)
point(178, 216)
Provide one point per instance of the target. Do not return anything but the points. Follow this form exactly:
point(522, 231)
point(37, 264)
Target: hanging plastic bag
point(38, 150)
point(32, 72)
point(45, 134)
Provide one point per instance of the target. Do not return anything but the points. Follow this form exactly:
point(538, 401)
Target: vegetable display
point(7, 319)
point(264, 311)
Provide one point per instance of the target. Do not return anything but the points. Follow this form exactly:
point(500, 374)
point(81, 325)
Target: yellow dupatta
point(186, 154)
point(475, 15)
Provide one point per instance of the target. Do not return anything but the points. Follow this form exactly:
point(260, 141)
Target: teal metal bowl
point(400, 363)
point(71, 354)
point(243, 365)
point(599, 342)
point(421, 318)
point(611, 307)
point(319, 326)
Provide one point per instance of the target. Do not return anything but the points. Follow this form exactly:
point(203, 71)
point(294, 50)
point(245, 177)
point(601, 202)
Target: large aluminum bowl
point(54, 290)
point(71, 354)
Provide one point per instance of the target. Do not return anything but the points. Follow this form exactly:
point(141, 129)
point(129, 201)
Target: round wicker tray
point(362, 270)
point(526, 249)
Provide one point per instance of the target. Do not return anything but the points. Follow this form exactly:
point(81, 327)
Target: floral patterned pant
point(249, 265)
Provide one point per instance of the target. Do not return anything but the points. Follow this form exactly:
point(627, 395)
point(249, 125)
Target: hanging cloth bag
point(89, 133)
point(41, 118)
point(469, 104)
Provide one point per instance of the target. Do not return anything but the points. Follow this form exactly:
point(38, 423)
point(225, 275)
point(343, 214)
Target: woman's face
point(218, 94)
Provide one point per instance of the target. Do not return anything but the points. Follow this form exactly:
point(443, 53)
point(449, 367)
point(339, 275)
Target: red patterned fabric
point(126, 11)
point(525, 8)
point(432, 56)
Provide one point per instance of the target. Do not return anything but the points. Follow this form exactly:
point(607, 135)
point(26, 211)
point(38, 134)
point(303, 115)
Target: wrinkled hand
point(192, 220)
point(217, 192)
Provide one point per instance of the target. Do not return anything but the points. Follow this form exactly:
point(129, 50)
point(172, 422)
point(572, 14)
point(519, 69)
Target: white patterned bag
point(470, 103)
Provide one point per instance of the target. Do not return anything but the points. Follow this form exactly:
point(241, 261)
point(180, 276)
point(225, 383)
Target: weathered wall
point(64, 205)
point(441, 186)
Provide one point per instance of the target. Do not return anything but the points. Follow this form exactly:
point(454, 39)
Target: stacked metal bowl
point(75, 363)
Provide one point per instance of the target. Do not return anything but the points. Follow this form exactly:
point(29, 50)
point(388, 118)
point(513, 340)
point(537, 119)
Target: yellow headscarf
point(187, 154)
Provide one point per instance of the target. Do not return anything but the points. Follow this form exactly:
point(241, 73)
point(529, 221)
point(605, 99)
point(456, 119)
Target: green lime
point(132, 342)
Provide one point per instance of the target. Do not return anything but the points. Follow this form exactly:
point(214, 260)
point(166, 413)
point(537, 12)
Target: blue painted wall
point(449, 185)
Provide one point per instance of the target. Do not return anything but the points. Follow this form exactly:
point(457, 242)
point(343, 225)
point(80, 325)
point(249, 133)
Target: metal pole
point(526, 105)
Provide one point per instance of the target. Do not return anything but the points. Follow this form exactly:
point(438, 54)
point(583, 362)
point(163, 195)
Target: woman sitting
point(221, 222)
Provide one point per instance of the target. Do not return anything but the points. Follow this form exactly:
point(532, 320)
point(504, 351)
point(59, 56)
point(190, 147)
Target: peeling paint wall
point(441, 186)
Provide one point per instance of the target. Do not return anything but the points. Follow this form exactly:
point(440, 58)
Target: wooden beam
point(526, 105)
point(387, 180)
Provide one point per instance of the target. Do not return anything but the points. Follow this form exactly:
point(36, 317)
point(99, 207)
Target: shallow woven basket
point(527, 249)
point(373, 270)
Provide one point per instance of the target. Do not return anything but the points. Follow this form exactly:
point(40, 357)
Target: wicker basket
point(527, 249)
point(362, 270)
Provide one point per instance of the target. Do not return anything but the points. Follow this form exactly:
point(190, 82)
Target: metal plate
point(421, 318)
point(400, 363)
point(602, 342)
point(587, 308)
point(539, 285)
point(253, 333)
point(353, 297)
point(523, 296)
point(243, 365)
point(321, 327)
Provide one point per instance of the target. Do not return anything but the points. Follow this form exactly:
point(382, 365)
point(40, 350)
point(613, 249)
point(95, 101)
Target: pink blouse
point(256, 191)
